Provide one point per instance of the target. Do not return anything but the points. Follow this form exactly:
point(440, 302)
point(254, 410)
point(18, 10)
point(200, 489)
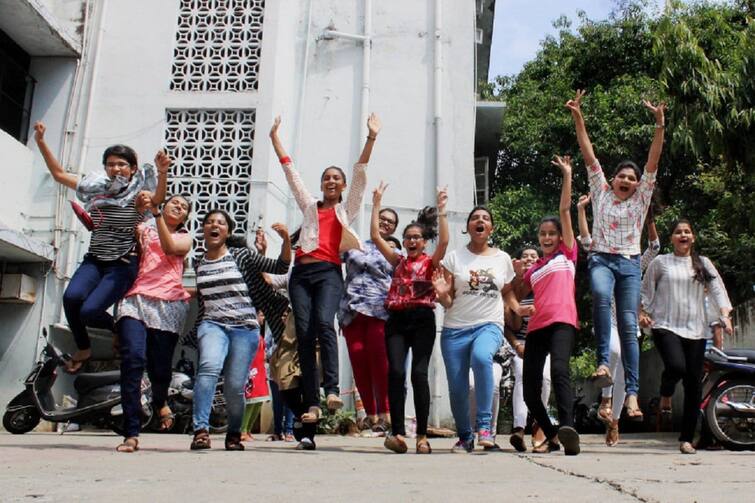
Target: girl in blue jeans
point(110, 265)
point(471, 286)
point(619, 211)
point(228, 279)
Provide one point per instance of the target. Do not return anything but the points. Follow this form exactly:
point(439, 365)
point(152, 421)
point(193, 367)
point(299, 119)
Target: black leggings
point(294, 400)
point(557, 340)
point(411, 329)
point(682, 359)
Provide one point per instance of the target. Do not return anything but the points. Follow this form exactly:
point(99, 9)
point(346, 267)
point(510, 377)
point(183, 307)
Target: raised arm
point(382, 245)
point(373, 128)
point(162, 162)
point(660, 125)
point(56, 170)
point(584, 229)
point(443, 237)
point(575, 106)
point(178, 245)
point(564, 207)
point(303, 197)
point(285, 254)
point(443, 283)
point(277, 145)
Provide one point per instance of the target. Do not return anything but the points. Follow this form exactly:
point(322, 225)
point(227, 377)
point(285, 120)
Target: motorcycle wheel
point(730, 414)
point(21, 421)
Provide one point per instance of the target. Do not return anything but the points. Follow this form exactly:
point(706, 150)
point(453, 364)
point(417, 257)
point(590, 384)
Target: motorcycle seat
point(88, 382)
point(742, 353)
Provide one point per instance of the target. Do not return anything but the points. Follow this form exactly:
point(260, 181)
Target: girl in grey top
point(673, 293)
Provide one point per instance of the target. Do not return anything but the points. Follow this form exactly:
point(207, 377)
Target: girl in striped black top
point(110, 266)
point(228, 279)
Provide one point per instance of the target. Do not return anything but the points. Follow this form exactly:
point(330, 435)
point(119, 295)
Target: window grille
point(218, 45)
point(212, 164)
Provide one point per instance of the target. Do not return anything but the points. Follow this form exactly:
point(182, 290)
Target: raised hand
point(441, 286)
point(162, 161)
point(260, 241)
point(518, 268)
point(584, 200)
point(143, 202)
point(563, 163)
point(276, 125)
point(575, 103)
point(442, 198)
point(281, 230)
point(39, 131)
point(657, 111)
point(377, 194)
point(373, 124)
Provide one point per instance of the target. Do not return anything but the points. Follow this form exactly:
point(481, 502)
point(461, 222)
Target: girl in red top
point(411, 318)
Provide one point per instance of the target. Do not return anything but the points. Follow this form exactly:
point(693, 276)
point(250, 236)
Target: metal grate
point(218, 45)
point(212, 152)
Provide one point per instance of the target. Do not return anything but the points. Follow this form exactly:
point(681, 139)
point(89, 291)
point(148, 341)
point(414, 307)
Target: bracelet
point(373, 138)
point(158, 214)
point(285, 160)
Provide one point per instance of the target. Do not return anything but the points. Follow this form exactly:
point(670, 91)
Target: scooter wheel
point(730, 414)
point(21, 421)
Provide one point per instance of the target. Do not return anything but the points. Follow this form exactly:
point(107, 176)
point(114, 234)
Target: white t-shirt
point(478, 280)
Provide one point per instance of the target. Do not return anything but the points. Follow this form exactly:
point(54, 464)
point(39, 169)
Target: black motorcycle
point(729, 397)
point(98, 404)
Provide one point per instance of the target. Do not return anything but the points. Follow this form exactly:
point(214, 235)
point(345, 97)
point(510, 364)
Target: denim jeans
point(95, 286)
point(315, 291)
point(283, 417)
point(615, 276)
point(462, 348)
point(141, 348)
point(227, 349)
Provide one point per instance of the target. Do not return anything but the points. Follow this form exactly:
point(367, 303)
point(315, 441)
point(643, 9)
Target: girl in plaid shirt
point(619, 210)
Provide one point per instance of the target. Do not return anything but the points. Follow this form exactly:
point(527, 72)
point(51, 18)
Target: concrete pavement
point(84, 466)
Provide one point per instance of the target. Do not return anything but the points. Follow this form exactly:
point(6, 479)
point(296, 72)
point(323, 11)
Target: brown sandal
point(423, 446)
point(312, 416)
point(233, 442)
point(201, 440)
point(602, 377)
point(605, 413)
point(130, 444)
point(167, 420)
point(612, 434)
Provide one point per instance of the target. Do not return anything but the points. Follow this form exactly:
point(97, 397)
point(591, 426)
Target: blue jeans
point(315, 290)
point(615, 276)
point(475, 347)
point(227, 349)
point(141, 348)
point(283, 418)
point(95, 286)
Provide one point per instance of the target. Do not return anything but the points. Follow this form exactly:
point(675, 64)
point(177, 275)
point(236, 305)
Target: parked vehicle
point(98, 401)
point(729, 397)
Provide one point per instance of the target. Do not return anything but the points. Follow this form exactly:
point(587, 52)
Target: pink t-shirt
point(159, 274)
point(552, 282)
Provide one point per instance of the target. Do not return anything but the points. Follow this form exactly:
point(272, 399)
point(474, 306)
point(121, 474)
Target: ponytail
point(701, 273)
point(427, 222)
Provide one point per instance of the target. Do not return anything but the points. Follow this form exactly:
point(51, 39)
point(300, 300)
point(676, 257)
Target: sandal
point(686, 448)
point(380, 427)
point(602, 377)
point(663, 420)
point(633, 413)
point(312, 416)
point(395, 443)
point(289, 438)
point(201, 440)
point(274, 438)
point(167, 420)
point(546, 446)
point(233, 442)
point(334, 402)
point(605, 413)
point(423, 446)
point(246, 437)
point(517, 440)
point(612, 434)
point(130, 444)
point(75, 365)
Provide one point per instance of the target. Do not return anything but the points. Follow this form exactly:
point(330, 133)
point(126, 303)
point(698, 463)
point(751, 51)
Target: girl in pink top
point(553, 325)
point(152, 315)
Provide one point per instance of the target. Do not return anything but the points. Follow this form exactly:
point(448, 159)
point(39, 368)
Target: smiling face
point(215, 230)
point(683, 239)
point(115, 166)
point(387, 223)
point(549, 237)
point(624, 183)
point(176, 211)
point(528, 257)
point(480, 226)
point(332, 183)
point(414, 242)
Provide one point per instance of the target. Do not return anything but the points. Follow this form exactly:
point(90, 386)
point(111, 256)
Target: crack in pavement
point(610, 483)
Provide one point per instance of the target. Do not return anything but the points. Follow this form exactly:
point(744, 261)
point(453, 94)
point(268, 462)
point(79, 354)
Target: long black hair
point(426, 222)
point(477, 208)
point(552, 219)
point(186, 198)
point(627, 164)
point(233, 240)
point(701, 273)
point(123, 151)
point(343, 175)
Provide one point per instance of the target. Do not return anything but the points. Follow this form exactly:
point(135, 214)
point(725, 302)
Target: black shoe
point(306, 444)
point(492, 448)
point(517, 440)
point(233, 442)
point(569, 438)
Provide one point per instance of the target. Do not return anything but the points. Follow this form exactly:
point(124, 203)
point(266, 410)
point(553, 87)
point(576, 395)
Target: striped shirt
point(225, 295)
point(529, 300)
point(114, 234)
point(676, 301)
point(617, 224)
point(552, 281)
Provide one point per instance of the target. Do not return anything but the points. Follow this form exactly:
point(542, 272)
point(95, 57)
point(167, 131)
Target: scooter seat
point(742, 353)
point(88, 382)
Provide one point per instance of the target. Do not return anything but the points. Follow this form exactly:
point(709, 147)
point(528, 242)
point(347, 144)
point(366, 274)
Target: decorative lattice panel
point(218, 45)
point(212, 163)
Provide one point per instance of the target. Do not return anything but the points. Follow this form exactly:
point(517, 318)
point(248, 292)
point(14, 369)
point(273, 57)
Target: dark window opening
point(16, 89)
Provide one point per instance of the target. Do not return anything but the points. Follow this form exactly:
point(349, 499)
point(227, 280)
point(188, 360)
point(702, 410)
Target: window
point(218, 45)
point(478, 35)
point(16, 89)
point(481, 180)
point(212, 164)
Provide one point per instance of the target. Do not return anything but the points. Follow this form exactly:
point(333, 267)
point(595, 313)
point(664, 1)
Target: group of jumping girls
point(386, 304)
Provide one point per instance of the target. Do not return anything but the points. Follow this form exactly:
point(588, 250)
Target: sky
point(520, 25)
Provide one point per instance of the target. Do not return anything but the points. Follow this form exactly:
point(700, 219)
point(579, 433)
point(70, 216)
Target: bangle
point(373, 138)
point(285, 160)
point(158, 214)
